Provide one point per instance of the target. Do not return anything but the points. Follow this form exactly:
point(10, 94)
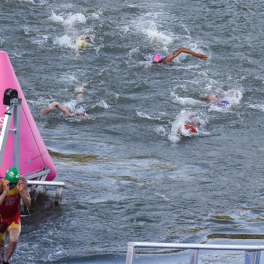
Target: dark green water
point(130, 176)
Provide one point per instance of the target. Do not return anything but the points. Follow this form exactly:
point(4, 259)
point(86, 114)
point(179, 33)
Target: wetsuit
point(9, 211)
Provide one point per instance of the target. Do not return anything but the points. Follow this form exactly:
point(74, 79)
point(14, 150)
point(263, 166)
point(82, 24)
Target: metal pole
point(194, 256)
point(16, 135)
point(252, 257)
point(130, 254)
point(4, 133)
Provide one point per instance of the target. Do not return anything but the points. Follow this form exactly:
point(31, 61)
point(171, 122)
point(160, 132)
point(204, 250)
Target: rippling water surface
point(129, 175)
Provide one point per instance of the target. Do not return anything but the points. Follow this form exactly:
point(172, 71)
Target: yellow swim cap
point(81, 43)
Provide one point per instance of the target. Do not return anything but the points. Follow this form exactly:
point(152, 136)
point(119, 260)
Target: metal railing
point(59, 186)
point(34, 187)
point(252, 253)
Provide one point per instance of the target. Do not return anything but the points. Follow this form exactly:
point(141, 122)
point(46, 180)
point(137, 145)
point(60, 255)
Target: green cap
point(12, 174)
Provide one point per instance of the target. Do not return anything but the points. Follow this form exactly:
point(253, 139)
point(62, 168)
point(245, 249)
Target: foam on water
point(160, 130)
point(185, 101)
point(68, 22)
point(259, 107)
point(68, 78)
point(71, 105)
point(147, 25)
point(144, 115)
point(27, 31)
point(56, 18)
point(233, 96)
point(96, 15)
point(41, 41)
point(65, 42)
point(162, 196)
point(74, 19)
point(102, 104)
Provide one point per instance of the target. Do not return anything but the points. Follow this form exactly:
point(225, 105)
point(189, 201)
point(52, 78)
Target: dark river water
point(129, 175)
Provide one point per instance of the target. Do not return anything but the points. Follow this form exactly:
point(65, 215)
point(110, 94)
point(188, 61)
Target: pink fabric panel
point(33, 152)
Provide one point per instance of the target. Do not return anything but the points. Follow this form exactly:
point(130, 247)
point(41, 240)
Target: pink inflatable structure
point(32, 155)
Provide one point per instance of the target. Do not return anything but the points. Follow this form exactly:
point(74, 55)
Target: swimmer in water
point(175, 53)
point(62, 108)
point(82, 41)
point(216, 99)
point(190, 127)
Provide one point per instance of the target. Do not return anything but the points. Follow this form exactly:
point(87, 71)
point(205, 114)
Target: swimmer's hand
point(201, 56)
point(20, 186)
point(45, 111)
point(6, 186)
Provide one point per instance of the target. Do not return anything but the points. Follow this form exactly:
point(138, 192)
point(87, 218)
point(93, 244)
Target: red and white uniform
point(9, 211)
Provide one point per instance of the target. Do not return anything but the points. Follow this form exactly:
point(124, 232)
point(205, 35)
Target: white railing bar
point(193, 246)
point(46, 183)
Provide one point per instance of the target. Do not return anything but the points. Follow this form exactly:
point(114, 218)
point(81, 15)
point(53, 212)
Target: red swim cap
point(190, 128)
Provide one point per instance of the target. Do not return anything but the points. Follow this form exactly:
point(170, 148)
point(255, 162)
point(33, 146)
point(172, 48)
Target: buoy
point(32, 147)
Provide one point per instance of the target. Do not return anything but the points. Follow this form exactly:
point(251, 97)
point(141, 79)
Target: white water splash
point(73, 19)
point(259, 107)
point(103, 104)
point(70, 21)
point(66, 42)
point(162, 196)
point(178, 126)
point(184, 101)
point(148, 26)
point(56, 18)
point(144, 115)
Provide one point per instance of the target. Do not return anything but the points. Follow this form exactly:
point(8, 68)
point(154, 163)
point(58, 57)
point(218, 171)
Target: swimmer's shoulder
point(167, 59)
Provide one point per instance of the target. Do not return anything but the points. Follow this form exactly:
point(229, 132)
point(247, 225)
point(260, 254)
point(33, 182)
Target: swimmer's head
point(80, 114)
point(157, 58)
point(12, 175)
point(81, 43)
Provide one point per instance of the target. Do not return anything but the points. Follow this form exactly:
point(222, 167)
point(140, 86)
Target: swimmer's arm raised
point(171, 56)
point(175, 53)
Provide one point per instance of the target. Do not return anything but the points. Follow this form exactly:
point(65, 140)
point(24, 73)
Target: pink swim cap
point(157, 58)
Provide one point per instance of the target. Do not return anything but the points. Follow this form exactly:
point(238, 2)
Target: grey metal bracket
point(15, 111)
